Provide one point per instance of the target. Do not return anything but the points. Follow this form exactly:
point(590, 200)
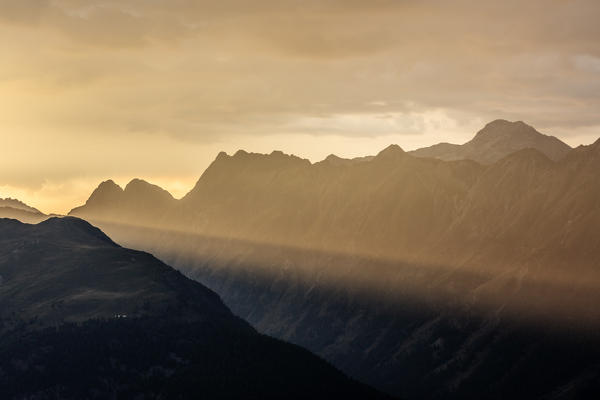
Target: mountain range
point(496, 140)
point(82, 317)
point(455, 274)
point(395, 265)
point(13, 208)
point(138, 201)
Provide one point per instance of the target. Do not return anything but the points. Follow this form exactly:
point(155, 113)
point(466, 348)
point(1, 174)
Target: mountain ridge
point(105, 321)
point(496, 140)
point(139, 198)
point(390, 267)
point(15, 203)
point(13, 208)
point(277, 160)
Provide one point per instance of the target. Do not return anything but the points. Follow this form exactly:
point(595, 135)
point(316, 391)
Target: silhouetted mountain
point(391, 152)
point(332, 159)
point(424, 277)
point(19, 205)
point(13, 208)
point(140, 201)
point(496, 140)
point(81, 317)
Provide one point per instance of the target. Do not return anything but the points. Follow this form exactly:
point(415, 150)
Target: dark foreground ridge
point(81, 317)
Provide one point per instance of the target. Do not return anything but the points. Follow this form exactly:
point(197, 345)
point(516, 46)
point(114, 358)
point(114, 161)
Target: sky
point(154, 89)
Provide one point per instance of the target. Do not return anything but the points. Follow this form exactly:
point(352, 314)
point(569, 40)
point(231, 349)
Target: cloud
point(78, 77)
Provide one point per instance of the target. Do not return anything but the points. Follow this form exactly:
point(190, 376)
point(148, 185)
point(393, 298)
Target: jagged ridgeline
point(497, 140)
point(425, 277)
point(82, 317)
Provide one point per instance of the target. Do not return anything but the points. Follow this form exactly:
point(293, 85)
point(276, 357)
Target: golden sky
point(91, 90)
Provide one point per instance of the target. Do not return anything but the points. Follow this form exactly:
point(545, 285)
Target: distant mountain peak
point(332, 159)
point(496, 140)
point(140, 201)
point(137, 182)
point(222, 155)
point(140, 187)
point(106, 192)
point(276, 156)
point(503, 129)
point(16, 209)
point(240, 153)
point(392, 151)
point(109, 184)
point(503, 122)
point(18, 204)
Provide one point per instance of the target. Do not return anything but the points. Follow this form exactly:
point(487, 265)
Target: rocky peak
point(107, 191)
point(390, 152)
point(139, 187)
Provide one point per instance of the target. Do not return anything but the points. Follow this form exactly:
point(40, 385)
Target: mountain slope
point(81, 317)
point(496, 140)
point(140, 201)
point(424, 277)
point(19, 205)
point(13, 208)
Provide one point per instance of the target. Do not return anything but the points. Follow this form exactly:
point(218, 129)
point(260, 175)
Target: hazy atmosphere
point(92, 90)
point(300, 199)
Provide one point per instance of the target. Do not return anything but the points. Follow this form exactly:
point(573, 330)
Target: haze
point(95, 89)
